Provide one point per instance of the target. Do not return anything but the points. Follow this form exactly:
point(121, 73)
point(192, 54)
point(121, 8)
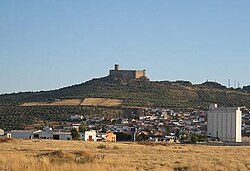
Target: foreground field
point(77, 155)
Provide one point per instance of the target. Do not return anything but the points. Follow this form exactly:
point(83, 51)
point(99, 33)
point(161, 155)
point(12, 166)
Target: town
point(134, 123)
point(140, 124)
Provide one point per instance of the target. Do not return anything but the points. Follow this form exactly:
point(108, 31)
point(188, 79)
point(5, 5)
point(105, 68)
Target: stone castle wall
point(127, 74)
point(124, 74)
point(139, 74)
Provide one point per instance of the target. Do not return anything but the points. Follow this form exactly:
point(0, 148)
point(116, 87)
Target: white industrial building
point(224, 123)
point(21, 134)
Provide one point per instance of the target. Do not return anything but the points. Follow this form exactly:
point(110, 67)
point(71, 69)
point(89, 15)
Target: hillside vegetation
point(108, 97)
point(179, 94)
point(19, 117)
point(41, 155)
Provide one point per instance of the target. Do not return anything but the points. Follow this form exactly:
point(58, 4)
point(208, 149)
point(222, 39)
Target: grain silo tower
point(224, 123)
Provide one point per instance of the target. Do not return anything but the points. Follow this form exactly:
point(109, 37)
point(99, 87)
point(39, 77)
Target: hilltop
point(113, 97)
point(133, 88)
point(139, 92)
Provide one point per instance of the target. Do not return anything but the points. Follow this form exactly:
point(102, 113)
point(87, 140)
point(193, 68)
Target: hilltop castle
point(127, 74)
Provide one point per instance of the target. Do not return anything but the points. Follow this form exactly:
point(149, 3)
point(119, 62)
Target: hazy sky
point(50, 44)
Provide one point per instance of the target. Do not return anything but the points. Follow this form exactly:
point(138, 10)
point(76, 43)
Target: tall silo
point(224, 123)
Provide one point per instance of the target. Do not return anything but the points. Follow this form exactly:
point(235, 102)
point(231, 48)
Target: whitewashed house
point(1, 132)
point(7, 135)
point(90, 135)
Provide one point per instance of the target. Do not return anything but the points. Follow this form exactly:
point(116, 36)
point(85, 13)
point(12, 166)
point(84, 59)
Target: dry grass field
point(41, 155)
point(101, 102)
point(72, 102)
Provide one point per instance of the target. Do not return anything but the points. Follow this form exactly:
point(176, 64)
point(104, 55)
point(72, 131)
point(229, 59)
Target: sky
point(51, 44)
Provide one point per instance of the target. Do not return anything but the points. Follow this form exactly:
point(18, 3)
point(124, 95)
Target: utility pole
point(229, 83)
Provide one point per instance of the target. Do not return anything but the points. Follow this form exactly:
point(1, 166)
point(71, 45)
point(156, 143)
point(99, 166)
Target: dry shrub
point(84, 157)
point(59, 154)
point(74, 156)
point(54, 154)
point(102, 146)
point(185, 168)
point(155, 143)
point(5, 139)
point(84, 153)
point(115, 148)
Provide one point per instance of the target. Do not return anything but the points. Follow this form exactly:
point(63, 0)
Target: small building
point(1, 132)
point(62, 135)
point(76, 126)
point(90, 135)
point(7, 135)
point(47, 128)
point(224, 123)
point(110, 136)
point(101, 136)
point(76, 117)
point(42, 134)
point(21, 134)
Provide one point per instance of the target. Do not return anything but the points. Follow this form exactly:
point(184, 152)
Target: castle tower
point(116, 67)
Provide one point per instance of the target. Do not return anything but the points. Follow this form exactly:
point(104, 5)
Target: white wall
point(21, 134)
point(90, 133)
point(238, 125)
point(1, 132)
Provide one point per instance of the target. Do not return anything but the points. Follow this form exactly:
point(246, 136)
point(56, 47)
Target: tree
point(142, 137)
point(82, 127)
point(167, 130)
point(75, 134)
point(194, 138)
point(177, 133)
point(201, 138)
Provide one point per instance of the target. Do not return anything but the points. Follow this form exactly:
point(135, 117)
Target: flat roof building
point(224, 123)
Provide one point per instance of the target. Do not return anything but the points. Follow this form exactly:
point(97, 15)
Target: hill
point(108, 97)
point(179, 94)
